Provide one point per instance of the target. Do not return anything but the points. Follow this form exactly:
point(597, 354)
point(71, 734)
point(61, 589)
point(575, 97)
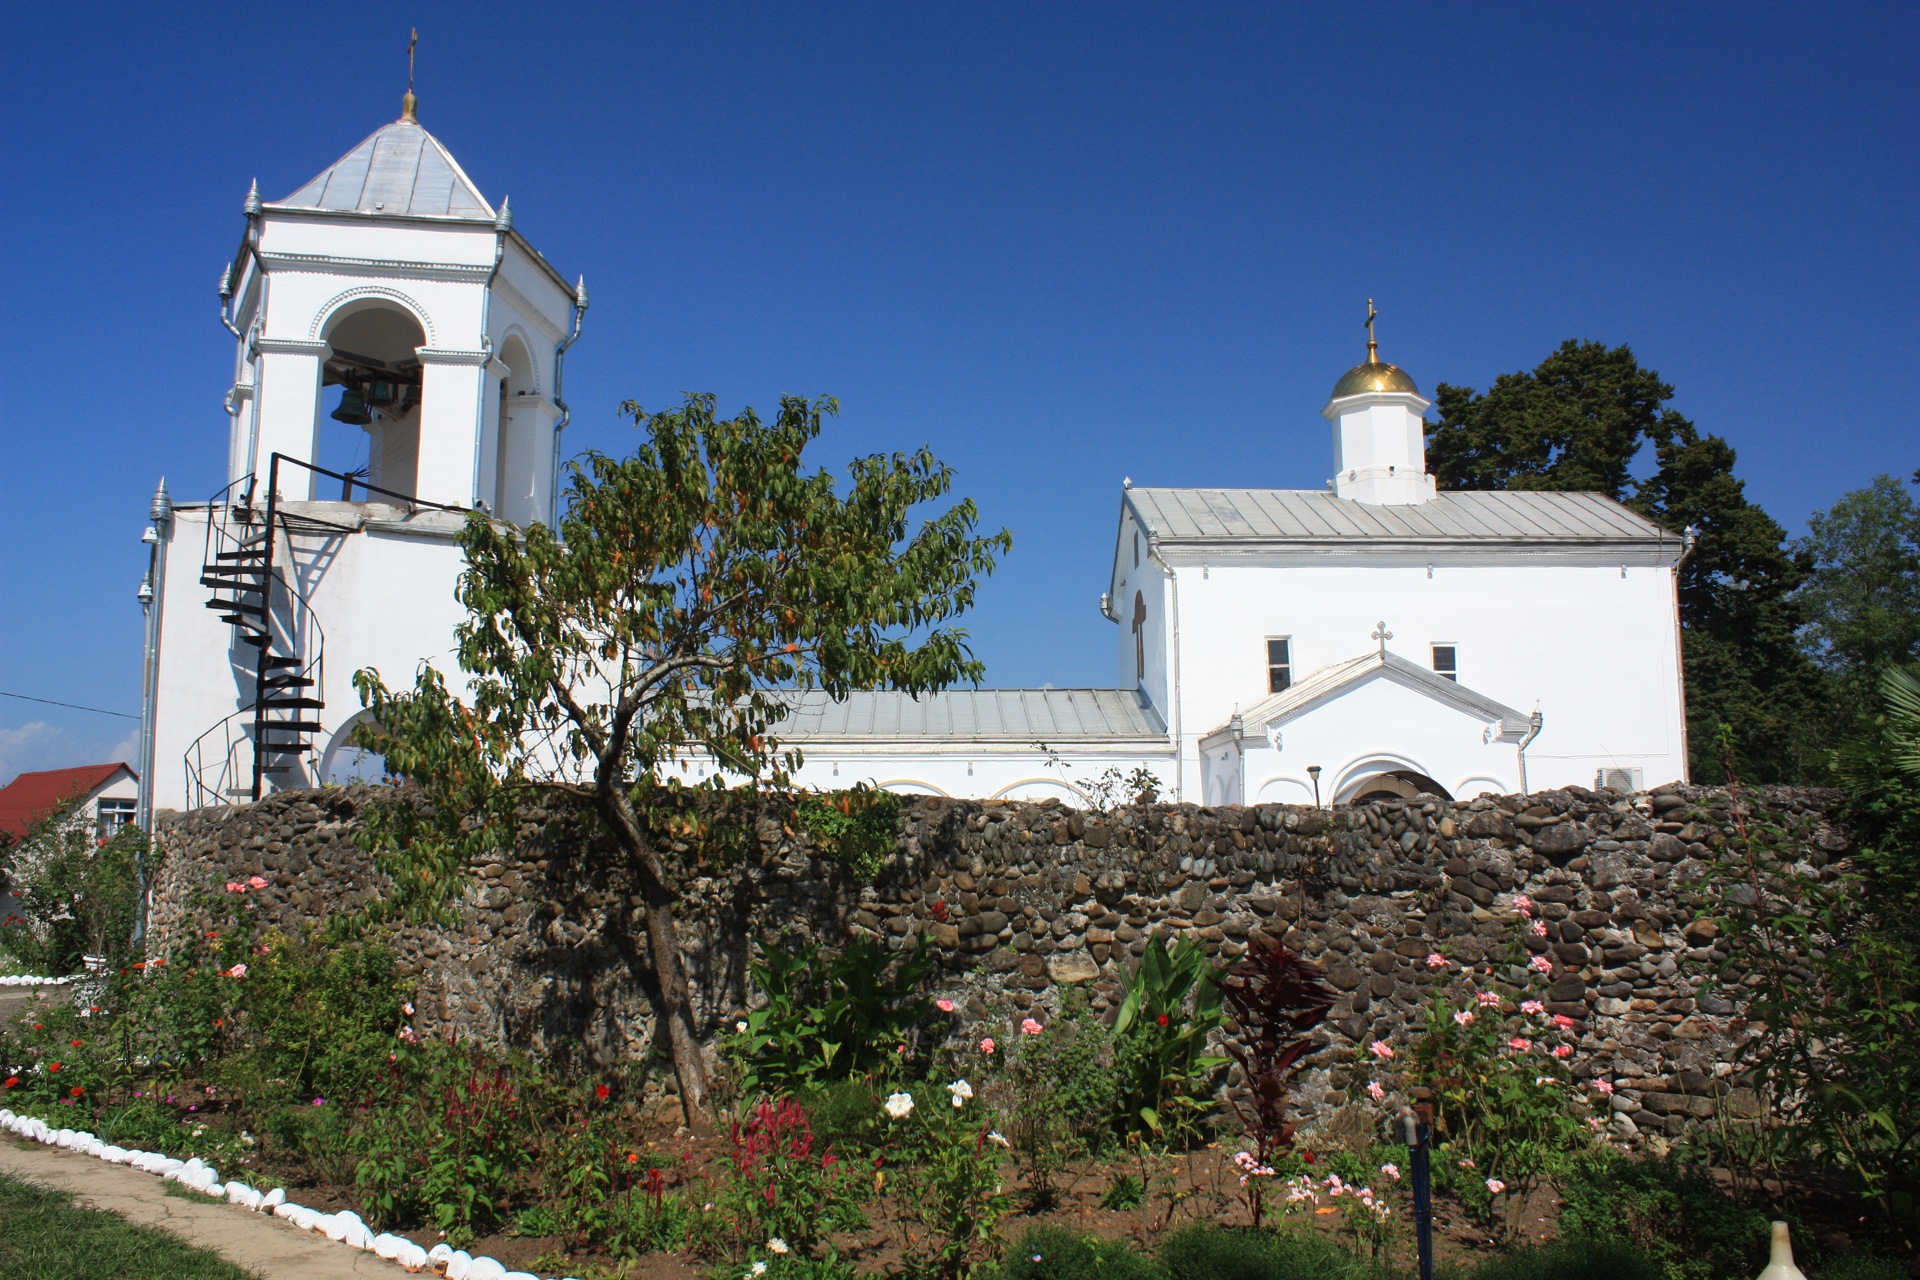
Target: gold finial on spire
point(1373, 347)
point(410, 105)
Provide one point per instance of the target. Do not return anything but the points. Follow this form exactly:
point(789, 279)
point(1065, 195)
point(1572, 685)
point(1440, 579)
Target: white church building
point(1375, 636)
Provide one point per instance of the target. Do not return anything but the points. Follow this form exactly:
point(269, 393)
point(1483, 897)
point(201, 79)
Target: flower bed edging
point(344, 1226)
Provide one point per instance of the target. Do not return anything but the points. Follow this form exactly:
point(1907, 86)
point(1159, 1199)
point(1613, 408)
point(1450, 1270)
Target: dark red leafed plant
point(1277, 997)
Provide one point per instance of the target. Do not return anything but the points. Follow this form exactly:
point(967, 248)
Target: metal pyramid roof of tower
point(401, 171)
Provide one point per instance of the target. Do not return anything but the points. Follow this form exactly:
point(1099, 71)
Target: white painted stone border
point(18, 980)
point(344, 1226)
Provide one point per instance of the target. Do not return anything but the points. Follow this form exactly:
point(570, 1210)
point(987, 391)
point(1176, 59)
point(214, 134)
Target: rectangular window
point(1446, 662)
point(1279, 663)
point(113, 816)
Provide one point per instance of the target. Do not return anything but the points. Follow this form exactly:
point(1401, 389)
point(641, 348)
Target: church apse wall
point(1022, 901)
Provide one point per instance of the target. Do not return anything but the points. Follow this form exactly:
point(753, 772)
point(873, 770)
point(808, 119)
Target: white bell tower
point(388, 297)
point(1379, 433)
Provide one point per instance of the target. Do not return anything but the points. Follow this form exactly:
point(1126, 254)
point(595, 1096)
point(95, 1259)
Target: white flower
point(740, 1026)
point(961, 1091)
point(996, 1136)
point(899, 1104)
point(777, 1245)
point(758, 1269)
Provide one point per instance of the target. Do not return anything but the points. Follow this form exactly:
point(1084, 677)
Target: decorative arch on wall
point(1284, 789)
point(337, 307)
point(1480, 785)
point(912, 787)
point(527, 378)
point(1046, 787)
point(343, 762)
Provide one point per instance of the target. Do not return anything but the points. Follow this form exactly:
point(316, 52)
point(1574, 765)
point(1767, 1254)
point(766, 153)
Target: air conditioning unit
point(1618, 779)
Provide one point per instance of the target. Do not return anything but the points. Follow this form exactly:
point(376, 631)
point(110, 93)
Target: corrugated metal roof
point(1315, 515)
point(1051, 716)
point(399, 170)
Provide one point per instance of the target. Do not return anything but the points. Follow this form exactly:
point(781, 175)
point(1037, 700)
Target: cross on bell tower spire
point(1373, 347)
point(410, 105)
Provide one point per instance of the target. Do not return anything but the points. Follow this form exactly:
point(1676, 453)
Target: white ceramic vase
point(1780, 1265)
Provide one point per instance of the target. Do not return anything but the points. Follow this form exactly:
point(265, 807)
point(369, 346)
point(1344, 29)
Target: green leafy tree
point(689, 590)
point(1590, 419)
point(1862, 595)
point(78, 894)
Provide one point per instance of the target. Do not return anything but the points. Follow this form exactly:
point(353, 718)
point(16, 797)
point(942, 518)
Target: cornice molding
point(447, 355)
point(291, 347)
point(392, 268)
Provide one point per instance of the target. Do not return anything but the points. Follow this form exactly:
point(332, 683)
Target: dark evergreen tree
point(1590, 419)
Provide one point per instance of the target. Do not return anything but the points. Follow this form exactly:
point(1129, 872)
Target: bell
point(353, 408)
point(381, 394)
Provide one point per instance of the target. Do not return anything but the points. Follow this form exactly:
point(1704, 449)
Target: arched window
point(516, 467)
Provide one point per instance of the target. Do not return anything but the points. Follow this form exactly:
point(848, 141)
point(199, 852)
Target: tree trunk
point(663, 945)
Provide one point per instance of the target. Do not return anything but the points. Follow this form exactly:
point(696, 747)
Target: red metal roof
point(32, 796)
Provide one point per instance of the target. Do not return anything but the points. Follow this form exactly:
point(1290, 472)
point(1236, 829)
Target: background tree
point(1862, 592)
point(689, 591)
point(1590, 419)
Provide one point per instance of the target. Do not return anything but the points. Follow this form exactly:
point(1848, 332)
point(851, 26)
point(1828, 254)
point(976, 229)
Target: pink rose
point(1496, 1186)
point(1532, 1006)
point(1435, 960)
point(986, 1046)
point(234, 886)
point(1539, 928)
point(1381, 1050)
point(1541, 963)
point(1488, 999)
point(1375, 1092)
point(1563, 1022)
point(1603, 1086)
point(1520, 1044)
point(1522, 903)
point(1464, 1017)
point(1028, 1027)
point(238, 971)
point(944, 1006)
point(1562, 1051)
point(258, 882)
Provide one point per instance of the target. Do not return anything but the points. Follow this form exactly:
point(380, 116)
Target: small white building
point(1373, 637)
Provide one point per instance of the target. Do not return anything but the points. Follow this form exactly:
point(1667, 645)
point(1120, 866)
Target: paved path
point(262, 1243)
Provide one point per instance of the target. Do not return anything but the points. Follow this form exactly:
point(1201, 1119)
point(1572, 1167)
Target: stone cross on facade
point(1383, 635)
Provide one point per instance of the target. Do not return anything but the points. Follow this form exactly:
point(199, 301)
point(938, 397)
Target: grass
point(45, 1236)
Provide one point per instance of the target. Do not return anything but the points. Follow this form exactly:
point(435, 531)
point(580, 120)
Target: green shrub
point(1222, 1253)
point(1171, 1008)
point(1052, 1253)
point(1571, 1260)
point(857, 828)
point(1064, 1100)
point(1669, 1209)
point(845, 1113)
point(830, 1015)
point(1861, 1266)
point(78, 896)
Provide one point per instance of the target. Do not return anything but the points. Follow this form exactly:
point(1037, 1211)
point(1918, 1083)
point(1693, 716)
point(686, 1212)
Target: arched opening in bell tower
point(517, 470)
point(373, 427)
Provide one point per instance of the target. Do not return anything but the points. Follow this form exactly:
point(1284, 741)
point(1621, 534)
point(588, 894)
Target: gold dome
point(1374, 376)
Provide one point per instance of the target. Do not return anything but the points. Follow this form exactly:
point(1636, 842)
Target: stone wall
point(1023, 900)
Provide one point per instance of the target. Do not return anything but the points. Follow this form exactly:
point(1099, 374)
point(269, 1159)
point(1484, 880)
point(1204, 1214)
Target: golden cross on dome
point(410, 105)
point(1373, 348)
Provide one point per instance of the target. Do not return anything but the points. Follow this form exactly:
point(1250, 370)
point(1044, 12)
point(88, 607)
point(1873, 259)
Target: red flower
point(11, 1081)
point(602, 1092)
point(75, 1044)
point(1308, 1157)
point(53, 1066)
point(75, 1092)
point(633, 1158)
point(1163, 1019)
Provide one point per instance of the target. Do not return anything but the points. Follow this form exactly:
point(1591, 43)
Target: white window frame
point(1272, 666)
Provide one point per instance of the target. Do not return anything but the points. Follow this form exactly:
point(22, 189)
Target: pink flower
point(1603, 1086)
point(1595, 1123)
point(1563, 1051)
point(986, 1046)
point(234, 886)
point(409, 1035)
point(1381, 1050)
point(407, 1008)
point(1539, 928)
point(944, 1006)
point(1375, 1092)
point(1541, 963)
point(1520, 1043)
point(1496, 1186)
point(1435, 960)
point(238, 971)
point(1465, 1163)
point(1028, 1027)
point(1532, 1006)
point(258, 882)
point(1523, 904)
point(1392, 1171)
point(1464, 1017)
point(1488, 999)
point(1563, 1022)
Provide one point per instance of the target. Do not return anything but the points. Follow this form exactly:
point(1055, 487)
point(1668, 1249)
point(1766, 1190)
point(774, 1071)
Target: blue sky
point(1061, 244)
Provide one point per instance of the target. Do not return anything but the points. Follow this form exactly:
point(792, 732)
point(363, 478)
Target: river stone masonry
point(1023, 900)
